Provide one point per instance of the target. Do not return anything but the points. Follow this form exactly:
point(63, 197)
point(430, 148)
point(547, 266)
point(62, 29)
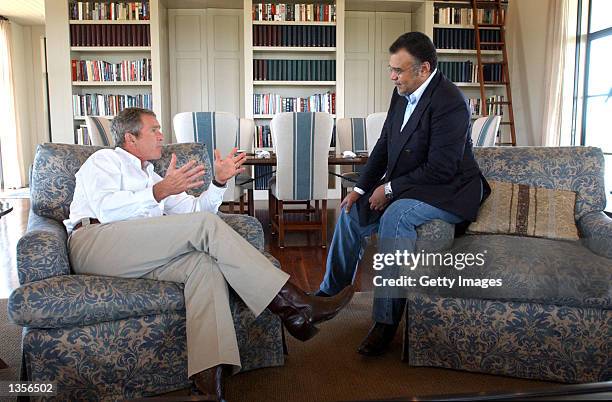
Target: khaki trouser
point(199, 250)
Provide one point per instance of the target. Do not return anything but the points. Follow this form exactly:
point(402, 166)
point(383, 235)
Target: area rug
point(10, 348)
point(328, 368)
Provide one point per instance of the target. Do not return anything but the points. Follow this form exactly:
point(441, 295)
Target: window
point(593, 91)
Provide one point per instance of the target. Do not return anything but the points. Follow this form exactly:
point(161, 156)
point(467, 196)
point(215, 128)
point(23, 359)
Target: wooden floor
point(303, 258)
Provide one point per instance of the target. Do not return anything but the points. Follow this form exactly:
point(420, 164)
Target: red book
point(73, 68)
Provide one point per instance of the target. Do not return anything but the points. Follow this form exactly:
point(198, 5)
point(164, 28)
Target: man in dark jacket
point(424, 157)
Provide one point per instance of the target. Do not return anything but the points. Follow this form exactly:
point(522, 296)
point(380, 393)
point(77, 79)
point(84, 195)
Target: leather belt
point(92, 221)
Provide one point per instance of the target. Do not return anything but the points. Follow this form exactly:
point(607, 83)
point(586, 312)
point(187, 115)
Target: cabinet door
point(206, 65)
point(389, 26)
point(188, 49)
point(359, 47)
point(225, 62)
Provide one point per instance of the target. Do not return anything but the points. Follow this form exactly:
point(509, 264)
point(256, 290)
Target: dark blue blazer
point(431, 159)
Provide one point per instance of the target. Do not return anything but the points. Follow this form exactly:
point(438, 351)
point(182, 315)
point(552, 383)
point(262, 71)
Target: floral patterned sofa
point(552, 319)
point(110, 338)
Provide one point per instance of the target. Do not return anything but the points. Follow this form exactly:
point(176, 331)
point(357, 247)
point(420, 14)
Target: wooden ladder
point(499, 21)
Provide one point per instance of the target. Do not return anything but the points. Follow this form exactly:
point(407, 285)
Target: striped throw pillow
point(527, 211)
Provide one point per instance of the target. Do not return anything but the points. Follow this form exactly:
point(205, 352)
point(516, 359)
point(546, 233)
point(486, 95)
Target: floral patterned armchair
point(103, 337)
point(552, 320)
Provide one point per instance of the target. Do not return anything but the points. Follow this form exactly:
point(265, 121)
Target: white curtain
point(558, 67)
point(10, 136)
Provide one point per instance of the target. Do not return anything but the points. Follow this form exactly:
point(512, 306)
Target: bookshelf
point(294, 61)
point(453, 33)
point(101, 59)
point(110, 59)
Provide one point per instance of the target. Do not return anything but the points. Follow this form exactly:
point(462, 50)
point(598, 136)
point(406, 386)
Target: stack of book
point(294, 12)
point(108, 10)
point(100, 70)
point(274, 103)
point(466, 71)
point(294, 35)
point(294, 70)
point(464, 16)
point(108, 105)
point(476, 106)
point(453, 38)
point(110, 35)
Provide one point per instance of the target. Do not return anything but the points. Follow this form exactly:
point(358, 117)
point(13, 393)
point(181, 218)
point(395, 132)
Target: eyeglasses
point(399, 71)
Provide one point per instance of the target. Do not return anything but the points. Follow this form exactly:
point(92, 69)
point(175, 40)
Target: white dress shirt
point(112, 186)
point(413, 100)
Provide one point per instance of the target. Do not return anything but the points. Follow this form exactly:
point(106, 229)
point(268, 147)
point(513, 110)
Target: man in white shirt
point(424, 156)
point(127, 221)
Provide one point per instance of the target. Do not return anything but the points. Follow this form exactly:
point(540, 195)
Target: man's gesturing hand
point(229, 167)
point(178, 180)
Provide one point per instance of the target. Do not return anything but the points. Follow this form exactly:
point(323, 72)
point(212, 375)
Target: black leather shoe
point(378, 340)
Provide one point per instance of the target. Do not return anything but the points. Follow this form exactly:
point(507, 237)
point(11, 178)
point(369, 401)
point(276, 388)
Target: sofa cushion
point(527, 211)
point(78, 300)
point(578, 169)
point(534, 270)
point(54, 167)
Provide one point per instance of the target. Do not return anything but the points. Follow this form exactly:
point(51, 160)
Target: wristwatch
point(388, 191)
point(216, 183)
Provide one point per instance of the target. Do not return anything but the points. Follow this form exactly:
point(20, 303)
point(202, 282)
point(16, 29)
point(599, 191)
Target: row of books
point(108, 10)
point(103, 71)
point(491, 108)
point(275, 103)
point(294, 35)
point(294, 70)
point(81, 135)
point(108, 105)
point(110, 35)
point(453, 38)
point(465, 16)
point(294, 12)
point(467, 71)
point(263, 137)
point(263, 174)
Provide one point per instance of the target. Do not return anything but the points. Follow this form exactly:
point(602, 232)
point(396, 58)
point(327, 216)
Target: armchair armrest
point(596, 230)
point(247, 226)
point(78, 300)
point(436, 235)
point(42, 252)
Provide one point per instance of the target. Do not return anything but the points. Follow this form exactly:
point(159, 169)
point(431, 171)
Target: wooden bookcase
point(310, 49)
point(134, 40)
point(452, 21)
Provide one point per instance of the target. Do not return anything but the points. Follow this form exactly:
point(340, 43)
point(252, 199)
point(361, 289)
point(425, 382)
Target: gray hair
point(128, 121)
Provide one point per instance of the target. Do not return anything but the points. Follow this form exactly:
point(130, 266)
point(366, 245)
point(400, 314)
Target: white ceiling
point(24, 12)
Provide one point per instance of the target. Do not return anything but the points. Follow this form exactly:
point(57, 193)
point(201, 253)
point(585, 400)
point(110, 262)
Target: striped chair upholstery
point(351, 137)
point(374, 126)
point(484, 131)
point(302, 148)
point(217, 130)
point(99, 131)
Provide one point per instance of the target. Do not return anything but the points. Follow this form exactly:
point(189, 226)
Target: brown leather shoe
point(325, 308)
point(300, 311)
point(378, 339)
point(210, 382)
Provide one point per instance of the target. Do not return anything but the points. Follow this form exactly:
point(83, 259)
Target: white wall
point(28, 79)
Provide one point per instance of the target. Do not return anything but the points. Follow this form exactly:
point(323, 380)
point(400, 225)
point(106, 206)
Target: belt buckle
point(85, 222)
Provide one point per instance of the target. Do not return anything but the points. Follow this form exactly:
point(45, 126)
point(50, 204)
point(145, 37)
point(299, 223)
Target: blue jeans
point(399, 221)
